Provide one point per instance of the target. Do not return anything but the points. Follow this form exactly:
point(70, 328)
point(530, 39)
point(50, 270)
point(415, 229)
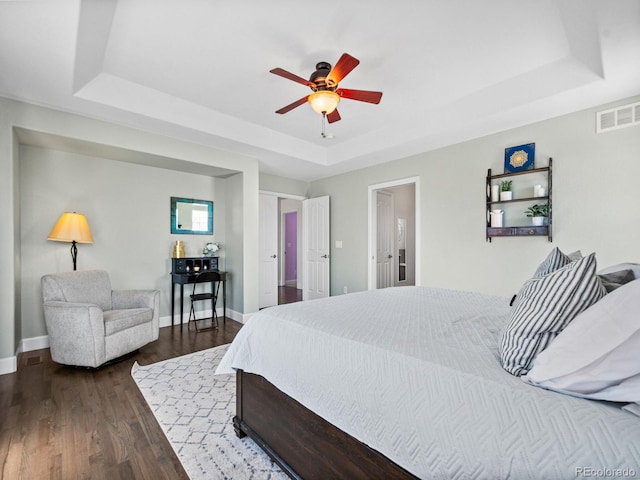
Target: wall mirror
point(191, 216)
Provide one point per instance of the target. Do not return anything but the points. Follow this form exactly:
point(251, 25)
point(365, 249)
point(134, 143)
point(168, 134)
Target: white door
point(268, 239)
point(385, 239)
point(315, 248)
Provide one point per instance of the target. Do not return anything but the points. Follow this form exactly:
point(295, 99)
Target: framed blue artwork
point(519, 158)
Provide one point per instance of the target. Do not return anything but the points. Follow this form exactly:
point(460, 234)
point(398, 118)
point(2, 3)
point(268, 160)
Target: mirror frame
point(174, 216)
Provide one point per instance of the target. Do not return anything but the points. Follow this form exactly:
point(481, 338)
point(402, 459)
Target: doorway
point(394, 233)
point(290, 278)
point(311, 251)
point(290, 249)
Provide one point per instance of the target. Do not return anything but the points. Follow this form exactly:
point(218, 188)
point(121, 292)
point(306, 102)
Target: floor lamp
point(72, 227)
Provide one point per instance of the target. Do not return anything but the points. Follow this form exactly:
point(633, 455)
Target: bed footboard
point(302, 443)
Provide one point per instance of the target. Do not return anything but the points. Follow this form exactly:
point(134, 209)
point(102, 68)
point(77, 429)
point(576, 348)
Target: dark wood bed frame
point(305, 445)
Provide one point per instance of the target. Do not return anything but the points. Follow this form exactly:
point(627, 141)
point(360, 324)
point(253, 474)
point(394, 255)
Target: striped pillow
point(544, 306)
point(555, 260)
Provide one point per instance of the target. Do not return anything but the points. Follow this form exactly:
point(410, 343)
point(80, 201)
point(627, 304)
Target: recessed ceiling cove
point(199, 71)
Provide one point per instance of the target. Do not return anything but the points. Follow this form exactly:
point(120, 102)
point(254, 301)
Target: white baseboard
point(8, 365)
point(33, 343)
point(237, 316)
point(165, 321)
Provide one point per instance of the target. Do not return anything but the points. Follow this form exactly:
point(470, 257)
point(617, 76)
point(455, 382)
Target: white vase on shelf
point(508, 195)
point(495, 193)
point(495, 218)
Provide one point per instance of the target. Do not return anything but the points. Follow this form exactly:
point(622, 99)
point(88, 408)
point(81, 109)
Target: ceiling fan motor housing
point(319, 76)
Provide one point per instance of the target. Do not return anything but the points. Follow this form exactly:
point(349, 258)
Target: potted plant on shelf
point(505, 190)
point(538, 214)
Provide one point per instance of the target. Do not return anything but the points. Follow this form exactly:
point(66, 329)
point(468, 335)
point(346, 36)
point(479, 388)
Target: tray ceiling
point(199, 70)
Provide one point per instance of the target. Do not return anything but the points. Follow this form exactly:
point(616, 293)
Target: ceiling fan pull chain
point(324, 116)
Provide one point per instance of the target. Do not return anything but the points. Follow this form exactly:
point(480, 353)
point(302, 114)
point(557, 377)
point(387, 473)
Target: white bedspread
point(414, 373)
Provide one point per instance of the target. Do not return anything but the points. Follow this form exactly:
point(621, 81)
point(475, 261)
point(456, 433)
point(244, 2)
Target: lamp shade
point(324, 101)
point(71, 227)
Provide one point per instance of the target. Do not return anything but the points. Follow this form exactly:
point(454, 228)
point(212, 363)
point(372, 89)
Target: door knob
point(325, 256)
point(390, 256)
point(273, 256)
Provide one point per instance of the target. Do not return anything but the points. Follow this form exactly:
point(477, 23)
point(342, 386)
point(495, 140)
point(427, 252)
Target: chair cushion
point(118, 320)
point(83, 286)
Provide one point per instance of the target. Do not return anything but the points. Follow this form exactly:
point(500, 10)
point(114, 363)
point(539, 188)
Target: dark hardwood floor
point(289, 295)
point(59, 422)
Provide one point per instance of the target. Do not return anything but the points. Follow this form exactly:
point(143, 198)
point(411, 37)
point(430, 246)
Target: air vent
point(619, 117)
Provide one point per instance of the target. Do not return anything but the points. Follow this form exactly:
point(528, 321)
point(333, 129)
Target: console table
point(181, 277)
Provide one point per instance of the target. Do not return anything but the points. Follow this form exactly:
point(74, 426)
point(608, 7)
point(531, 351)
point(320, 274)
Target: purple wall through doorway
point(291, 246)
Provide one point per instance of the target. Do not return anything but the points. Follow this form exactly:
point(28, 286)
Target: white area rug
point(194, 407)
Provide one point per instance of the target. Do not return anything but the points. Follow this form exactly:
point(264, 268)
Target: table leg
point(181, 303)
point(173, 300)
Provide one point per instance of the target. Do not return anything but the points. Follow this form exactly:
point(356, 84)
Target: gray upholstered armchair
point(90, 324)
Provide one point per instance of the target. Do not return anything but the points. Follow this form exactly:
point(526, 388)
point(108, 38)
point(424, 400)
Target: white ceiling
point(450, 70)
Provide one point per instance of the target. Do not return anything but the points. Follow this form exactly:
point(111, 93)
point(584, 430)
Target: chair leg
point(214, 321)
point(192, 317)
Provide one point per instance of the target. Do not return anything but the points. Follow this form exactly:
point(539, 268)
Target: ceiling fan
point(324, 83)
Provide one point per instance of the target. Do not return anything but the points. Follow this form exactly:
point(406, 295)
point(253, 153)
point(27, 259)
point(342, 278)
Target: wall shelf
point(519, 230)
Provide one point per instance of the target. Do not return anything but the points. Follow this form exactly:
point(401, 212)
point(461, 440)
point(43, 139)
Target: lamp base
point(74, 253)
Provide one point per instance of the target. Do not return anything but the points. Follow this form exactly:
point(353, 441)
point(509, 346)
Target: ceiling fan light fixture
point(324, 101)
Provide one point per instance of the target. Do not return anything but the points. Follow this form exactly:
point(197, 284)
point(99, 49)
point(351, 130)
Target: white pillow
point(614, 280)
point(598, 355)
point(543, 308)
point(633, 408)
point(634, 267)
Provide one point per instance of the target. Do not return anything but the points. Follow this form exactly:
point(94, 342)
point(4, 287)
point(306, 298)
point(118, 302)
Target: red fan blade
point(360, 95)
point(291, 76)
point(341, 69)
point(293, 105)
point(333, 116)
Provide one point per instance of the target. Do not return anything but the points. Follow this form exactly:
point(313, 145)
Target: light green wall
point(595, 205)
point(9, 245)
point(17, 264)
point(234, 238)
point(16, 292)
point(273, 183)
point(127, 207)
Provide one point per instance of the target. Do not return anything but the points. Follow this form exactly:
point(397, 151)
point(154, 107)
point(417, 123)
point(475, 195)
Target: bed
point(407, 382)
